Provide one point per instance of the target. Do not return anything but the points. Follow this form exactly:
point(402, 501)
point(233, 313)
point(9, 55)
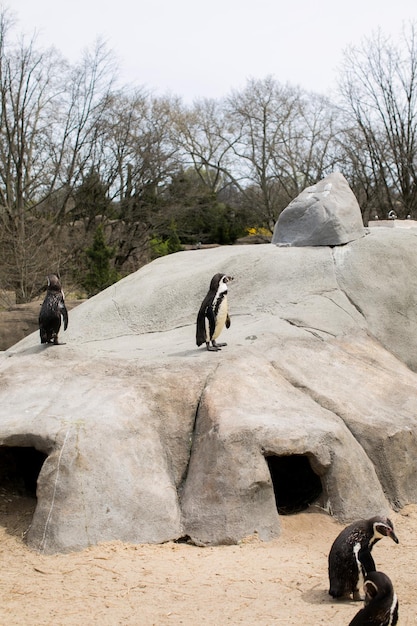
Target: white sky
point(205, 49)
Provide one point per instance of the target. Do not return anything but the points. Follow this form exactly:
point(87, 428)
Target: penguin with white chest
point(213, 315)
point(350, 558)
point(381, 602)
point(52, 310)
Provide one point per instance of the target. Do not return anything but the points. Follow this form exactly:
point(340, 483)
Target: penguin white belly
point(220, 318)
point(361, 578)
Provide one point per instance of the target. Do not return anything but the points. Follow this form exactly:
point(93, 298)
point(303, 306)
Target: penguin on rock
point(213, 315)
point(350, 558)
point(381, 603)
point(52, 309)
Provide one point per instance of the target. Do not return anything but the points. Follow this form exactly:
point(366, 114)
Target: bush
point(161, 247)
point(100, 274)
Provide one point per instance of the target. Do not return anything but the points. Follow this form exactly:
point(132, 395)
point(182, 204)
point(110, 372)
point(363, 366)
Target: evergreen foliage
point(91, 200)
point(200, 215)
point(162, 247)
point(100, 273)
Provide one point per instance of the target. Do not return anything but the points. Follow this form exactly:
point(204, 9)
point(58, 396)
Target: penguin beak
point(386, 530)
point(228, 279)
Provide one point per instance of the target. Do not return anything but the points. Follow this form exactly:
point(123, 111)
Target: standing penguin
point(53, 307)
point(381, 603)
point(350, 558)
point(213, 315)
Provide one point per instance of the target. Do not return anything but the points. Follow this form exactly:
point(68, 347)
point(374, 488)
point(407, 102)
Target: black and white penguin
point(350, 558)
point(213, 315)
point(52, 309)
point(381, 602)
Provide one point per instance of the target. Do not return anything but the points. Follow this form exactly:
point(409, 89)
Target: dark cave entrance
point(19, 471)
point(296, 485)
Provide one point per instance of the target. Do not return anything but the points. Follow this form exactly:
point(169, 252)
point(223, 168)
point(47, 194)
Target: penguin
point(381, 602)
point(213, 315)
point(350, 558)
point(53, 307)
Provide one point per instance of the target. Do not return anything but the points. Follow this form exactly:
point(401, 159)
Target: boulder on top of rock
point(325, 214)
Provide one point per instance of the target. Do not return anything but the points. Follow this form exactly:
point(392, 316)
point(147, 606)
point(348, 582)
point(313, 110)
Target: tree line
point(98, 179)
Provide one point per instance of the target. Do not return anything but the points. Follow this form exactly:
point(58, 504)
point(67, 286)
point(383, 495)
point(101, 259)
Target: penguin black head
point(54, 284)
point(381, 602)
point(376, 584)
point(218, 281)
point(383, 527)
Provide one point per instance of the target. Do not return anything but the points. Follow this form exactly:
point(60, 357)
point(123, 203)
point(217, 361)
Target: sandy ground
point(282, 582)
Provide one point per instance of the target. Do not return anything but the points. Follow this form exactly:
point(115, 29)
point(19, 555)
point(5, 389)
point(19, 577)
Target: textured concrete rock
point(325, 214)
point(228, 493)
point(148, 438)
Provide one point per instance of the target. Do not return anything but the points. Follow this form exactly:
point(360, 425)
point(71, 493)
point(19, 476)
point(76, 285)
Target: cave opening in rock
point(296, 485)
point(19, 469)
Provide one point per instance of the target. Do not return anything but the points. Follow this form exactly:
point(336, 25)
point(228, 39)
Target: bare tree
point(50, 121)
point(379, 94)
point(264, 144)
point(284, 140)
point(141, 159)
point(80, 116)
point(308, 149)
point(26, 82)
point(205, 138)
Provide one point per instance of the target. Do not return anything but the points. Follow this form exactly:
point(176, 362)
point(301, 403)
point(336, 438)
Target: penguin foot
point(218, 345)
point(214, 348)
point(357, 596)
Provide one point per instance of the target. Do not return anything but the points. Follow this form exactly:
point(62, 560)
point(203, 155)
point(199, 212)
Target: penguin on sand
point(381, 603)
point(213, 315)
point(52, 309)
point(350, 558)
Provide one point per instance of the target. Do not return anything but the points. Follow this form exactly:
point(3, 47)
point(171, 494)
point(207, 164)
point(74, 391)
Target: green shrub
point(100, 273)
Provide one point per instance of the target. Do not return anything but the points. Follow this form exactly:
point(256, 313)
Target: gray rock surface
point(149, 438)
point(325, 214)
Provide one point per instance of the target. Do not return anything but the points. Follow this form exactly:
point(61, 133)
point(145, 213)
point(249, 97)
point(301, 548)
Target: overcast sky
point(205, 49)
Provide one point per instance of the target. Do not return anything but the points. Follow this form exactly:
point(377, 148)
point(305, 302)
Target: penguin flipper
point(64, 314)
point(211, 320)
point(372, 615)
point(199, 339)
point(200, 335)
point(359, 618)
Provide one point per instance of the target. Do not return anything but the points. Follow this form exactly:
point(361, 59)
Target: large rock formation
point(147, 438)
